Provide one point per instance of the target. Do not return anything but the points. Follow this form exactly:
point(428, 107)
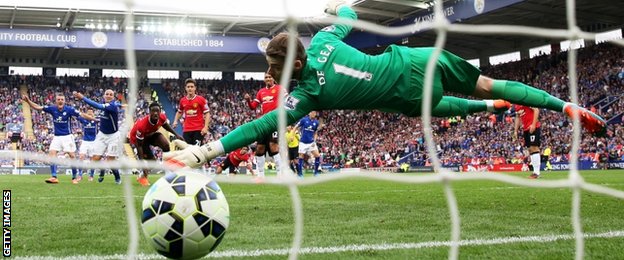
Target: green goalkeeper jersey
point(338, 76)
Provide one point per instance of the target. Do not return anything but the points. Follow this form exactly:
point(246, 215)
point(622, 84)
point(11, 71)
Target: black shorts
point(532, 139)
point(266, 140)
point(225, 164)
point(193, 137)
point(293, 153)
point(148, 141)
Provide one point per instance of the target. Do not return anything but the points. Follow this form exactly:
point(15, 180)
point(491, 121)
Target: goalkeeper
point(334, 75)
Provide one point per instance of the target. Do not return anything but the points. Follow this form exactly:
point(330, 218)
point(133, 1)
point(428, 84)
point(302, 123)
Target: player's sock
point(548, 165)
point(80, 172)
point(452, 106)
point(74, 172)
point(277, 160)
point(536, 162)
point(102, 172)
point(91, 172)
point(53, 170)
point(519, 93)
point(317, 163)
point(260, 165)
point(116, 174)
point(292, 166)
point(300, 167)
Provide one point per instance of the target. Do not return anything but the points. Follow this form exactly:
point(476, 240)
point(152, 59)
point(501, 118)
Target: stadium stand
point(362, 139)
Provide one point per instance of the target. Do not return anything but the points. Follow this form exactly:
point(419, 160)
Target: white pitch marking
point(349, 248)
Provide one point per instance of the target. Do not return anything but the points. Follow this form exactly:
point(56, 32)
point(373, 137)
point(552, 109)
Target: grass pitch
point(347, 219)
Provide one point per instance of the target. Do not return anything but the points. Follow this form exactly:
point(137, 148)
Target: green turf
point(90, 219)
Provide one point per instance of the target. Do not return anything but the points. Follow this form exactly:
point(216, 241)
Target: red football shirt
point(268, 97)
point(236, 157)
point(193, 111)
point(144, 127)
point(526, 116)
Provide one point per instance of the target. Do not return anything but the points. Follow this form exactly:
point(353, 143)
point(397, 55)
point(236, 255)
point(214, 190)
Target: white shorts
point(87, 147)
point(106, 144)
point(306, 148)
point(63, 143)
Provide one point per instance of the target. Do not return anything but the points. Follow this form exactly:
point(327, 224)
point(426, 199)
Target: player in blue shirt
point(89, 130)
point(107, 139)
point(63, 140)
point(307, 142)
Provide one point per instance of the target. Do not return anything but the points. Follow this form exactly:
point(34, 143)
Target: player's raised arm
point(32, 104)
point(342, 10)
point(90, 102)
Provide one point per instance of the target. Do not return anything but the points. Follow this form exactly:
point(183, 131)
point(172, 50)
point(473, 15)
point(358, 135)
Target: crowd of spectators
point(376, 139)
point(372, 138)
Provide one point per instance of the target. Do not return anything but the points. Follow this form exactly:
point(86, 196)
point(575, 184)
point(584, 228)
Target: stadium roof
point(592, 15)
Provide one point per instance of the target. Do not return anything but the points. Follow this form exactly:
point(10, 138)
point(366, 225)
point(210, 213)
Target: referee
point(292, 137)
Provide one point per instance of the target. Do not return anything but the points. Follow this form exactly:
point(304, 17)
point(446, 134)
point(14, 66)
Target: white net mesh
point(442, 26)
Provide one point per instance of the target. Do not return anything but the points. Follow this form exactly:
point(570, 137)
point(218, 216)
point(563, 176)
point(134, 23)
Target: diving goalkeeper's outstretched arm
point(193, 156)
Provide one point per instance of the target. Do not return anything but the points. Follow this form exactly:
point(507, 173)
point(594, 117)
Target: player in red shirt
point(268, 98)
point(196, 114)
point(145, 133)
point(531, 127)
point(234, 159)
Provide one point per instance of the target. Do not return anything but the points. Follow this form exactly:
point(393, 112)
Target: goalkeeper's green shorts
point(453, 73)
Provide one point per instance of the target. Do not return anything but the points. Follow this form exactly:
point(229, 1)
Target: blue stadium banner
point(454, 11)
point(588, 165)
point(115, 40)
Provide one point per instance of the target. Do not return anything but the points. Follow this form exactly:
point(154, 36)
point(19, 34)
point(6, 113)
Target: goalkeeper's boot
point(534, 176)
point(594, 124)
point(52, 180)
point(500, 106)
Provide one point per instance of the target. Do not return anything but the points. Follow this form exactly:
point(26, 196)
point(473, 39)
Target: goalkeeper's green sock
point(452, 106)
point(519, 93)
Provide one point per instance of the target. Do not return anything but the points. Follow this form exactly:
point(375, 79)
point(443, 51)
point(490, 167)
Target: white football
point(185, 215)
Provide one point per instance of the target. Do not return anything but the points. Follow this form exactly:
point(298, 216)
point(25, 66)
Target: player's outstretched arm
point(90, 102)
point(333, 5)
point(169, 129)
point(344, 11)
point(33, 105)
point(193, 156)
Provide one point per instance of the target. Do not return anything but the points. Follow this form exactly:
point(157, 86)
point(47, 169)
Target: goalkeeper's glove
point(191, 156)
point(333, 5)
